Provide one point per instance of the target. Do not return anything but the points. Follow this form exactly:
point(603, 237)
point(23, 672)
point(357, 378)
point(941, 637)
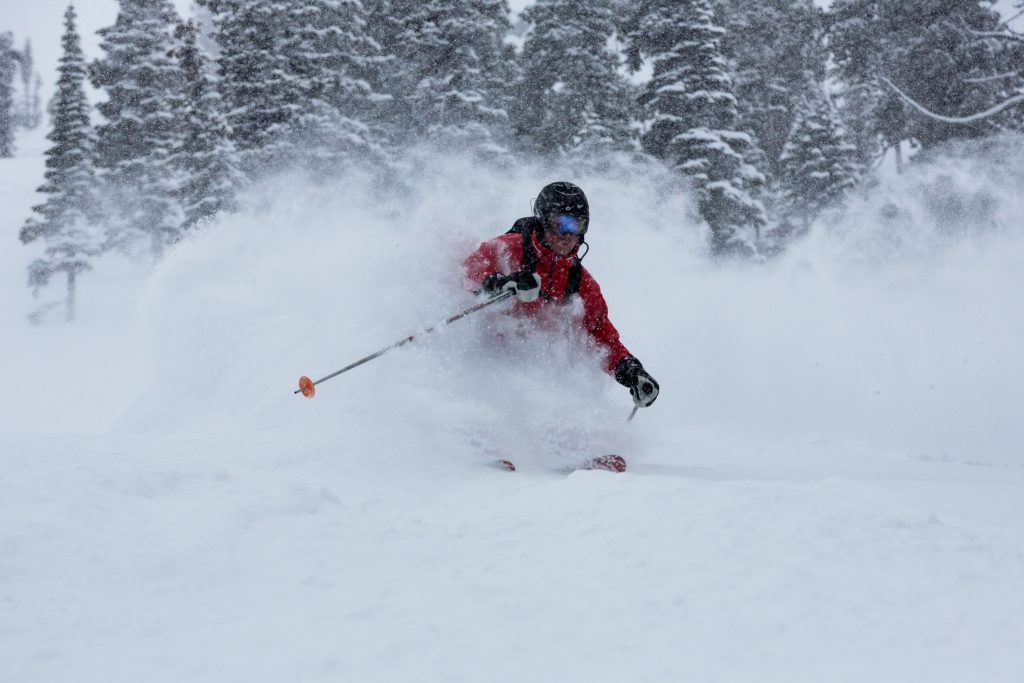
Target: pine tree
point(335, 63)
point(452, 70)
point(262, 95)
point(573, 97)
point(29, 113)
point(819, 167)
point(692, 118)
point(7, 65)
point(923, 47)
point(299, 78)
point(206, 160)
point(770, 45)
point(67, 220)
point(135, 147)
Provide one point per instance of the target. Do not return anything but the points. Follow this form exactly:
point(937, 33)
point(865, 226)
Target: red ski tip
point(307, 387)
point(610, 463)
point(506, 464)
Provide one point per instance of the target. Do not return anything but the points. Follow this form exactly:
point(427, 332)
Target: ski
point(607, 463)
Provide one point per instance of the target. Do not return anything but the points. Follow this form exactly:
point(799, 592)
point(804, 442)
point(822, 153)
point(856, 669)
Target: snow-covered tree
point(1005, 71)
point(68, 220)
point(573, 97)
point(692, 118)
point(256, 82)
point(924, 48)
point(135, 146)
point(819, 166)
point(7, 66)
point(770, 45)
point(452, 71)
point(206, 160)
point(299, 80)
point(28, 110)
point(335, 63)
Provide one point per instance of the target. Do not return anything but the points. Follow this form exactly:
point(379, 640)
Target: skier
point(538, 260)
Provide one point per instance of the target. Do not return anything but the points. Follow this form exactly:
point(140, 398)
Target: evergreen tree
point(335, 63)
point(819, 167)
point(573, 97)
point(29, 113)
point(770, 45)
point(299, 79)
point(921, 46)
point(206, 159)
point(692, 118)
point(144, 87)
point(257, 83)
point(390, 114)
point(7, 65)
point(858, 107)
point(67, 220)
point(452, 71)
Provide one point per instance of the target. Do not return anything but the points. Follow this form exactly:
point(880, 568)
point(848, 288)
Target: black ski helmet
point(562, 198)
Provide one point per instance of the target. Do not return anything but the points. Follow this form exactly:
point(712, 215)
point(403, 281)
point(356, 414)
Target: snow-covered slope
point(831, 486)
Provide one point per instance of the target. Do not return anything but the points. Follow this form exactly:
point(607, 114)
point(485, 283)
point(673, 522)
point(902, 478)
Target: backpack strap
point(572, 285)
point(525, 227)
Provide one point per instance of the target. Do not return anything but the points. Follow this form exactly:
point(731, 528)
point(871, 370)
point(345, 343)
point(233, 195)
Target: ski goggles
point(564, 224)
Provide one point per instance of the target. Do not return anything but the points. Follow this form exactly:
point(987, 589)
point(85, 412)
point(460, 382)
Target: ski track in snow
point(830, 487)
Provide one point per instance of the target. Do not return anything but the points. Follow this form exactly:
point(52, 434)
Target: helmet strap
point(579, 257)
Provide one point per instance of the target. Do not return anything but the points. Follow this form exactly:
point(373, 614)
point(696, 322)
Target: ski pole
point(307, 387)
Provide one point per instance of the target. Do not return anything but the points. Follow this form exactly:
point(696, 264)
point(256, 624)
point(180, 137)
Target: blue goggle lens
point(564, 224)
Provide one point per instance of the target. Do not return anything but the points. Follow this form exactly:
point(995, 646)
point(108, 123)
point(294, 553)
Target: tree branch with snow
point(973, 118)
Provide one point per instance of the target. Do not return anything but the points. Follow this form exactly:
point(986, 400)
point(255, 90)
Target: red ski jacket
point(504, 254)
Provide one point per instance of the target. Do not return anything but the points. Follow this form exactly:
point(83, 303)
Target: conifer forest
point(771, 113)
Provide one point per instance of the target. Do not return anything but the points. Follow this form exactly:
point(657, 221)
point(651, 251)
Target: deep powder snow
point(829, 487)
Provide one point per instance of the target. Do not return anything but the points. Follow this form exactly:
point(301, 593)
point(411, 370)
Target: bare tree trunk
point(71, 295)
point(899, 158)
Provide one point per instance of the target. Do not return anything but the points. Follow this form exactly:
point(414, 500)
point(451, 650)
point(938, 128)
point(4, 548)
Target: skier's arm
point(600, 327)
point(619, 362)
point(480, 264)
point(490, 269)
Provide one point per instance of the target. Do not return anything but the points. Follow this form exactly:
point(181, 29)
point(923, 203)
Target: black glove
point(642, 387)
point(522, 283)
